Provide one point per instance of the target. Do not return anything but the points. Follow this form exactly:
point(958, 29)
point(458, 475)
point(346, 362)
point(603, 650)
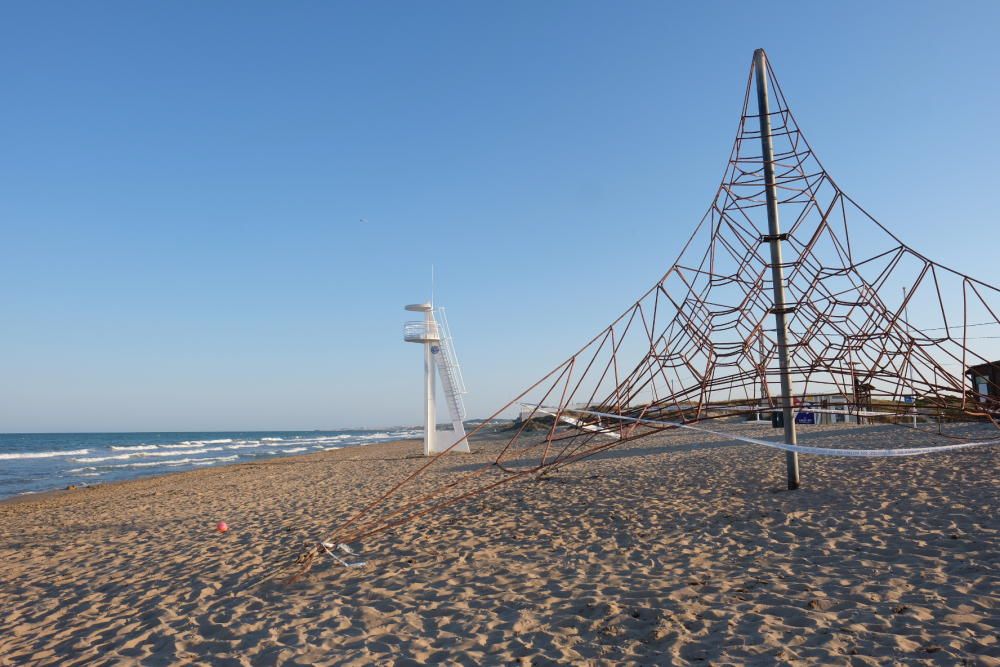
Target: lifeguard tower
point(439, 354)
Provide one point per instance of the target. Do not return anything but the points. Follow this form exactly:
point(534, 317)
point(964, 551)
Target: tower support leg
point(430, 407)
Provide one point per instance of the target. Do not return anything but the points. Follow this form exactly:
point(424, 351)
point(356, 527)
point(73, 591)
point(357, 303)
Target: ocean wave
point(41, 455)
point(123, 457)
point(296, 449)
point(311, 441)
point(172, 463)
point(220, 459)
point(246, 445)
point(271, 439)
point(148, 464)
point(379, 436)
point(98, 459)
point(136, 448)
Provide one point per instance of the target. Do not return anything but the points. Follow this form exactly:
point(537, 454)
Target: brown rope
point(700, 339)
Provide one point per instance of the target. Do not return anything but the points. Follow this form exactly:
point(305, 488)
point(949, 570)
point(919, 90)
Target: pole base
point(792, 466)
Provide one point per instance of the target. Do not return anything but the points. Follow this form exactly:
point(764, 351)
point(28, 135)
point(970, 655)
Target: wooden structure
point(985, 381)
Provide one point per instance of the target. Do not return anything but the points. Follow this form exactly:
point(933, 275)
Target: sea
point(36, 462)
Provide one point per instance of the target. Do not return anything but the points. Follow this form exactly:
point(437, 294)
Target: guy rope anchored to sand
point(746, 306)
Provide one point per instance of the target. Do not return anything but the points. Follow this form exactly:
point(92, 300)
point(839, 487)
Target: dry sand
point(676, 549)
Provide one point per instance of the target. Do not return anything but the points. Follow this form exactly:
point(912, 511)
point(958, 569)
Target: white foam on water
point(136, 448)
point(310, 441)
point(200, 443)
point(296, 449)
point(271, 439)
point(381, 435)
point(42, 455)
point(124, 457)
point(220, 459)
point(246, 446)
point(172, 463)
point(98, 459)
point(148, 464)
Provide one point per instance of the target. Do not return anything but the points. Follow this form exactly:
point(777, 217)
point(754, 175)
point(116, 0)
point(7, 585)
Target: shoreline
point(289, 459)
point(38, 464)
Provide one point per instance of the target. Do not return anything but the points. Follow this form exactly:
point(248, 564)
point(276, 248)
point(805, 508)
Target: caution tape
point(818, 451)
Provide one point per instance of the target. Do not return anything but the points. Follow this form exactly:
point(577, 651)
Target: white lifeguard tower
point(438, 353)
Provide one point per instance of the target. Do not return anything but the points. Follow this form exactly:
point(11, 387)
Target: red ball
point(222, 527)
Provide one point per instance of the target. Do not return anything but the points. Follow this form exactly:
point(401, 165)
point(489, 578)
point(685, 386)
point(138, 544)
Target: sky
point(212, 214)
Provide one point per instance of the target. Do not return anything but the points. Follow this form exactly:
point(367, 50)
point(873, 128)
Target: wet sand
point(679, 548)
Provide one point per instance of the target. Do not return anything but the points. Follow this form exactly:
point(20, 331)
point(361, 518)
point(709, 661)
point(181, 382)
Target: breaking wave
point(41, 455)
point(123, 457)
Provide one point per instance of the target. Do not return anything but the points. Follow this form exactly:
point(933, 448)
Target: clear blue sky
point(182, 184)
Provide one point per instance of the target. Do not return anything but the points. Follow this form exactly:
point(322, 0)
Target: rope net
point(876, 330)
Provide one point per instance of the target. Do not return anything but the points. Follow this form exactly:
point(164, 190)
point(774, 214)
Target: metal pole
point(909, 364)
point(774, 238)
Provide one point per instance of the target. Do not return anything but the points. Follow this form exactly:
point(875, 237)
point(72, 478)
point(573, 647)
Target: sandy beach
point(679, 548)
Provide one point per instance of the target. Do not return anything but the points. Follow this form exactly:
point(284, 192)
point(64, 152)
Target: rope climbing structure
point(845, 317)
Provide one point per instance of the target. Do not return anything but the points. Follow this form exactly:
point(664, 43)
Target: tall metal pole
point(774, 238)
point(909, 363)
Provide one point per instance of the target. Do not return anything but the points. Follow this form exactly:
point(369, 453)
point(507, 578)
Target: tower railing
point(421, 331)
point(447, 343)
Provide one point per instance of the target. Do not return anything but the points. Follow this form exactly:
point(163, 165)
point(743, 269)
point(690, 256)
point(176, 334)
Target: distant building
point(815, 409)
point(985, 380)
